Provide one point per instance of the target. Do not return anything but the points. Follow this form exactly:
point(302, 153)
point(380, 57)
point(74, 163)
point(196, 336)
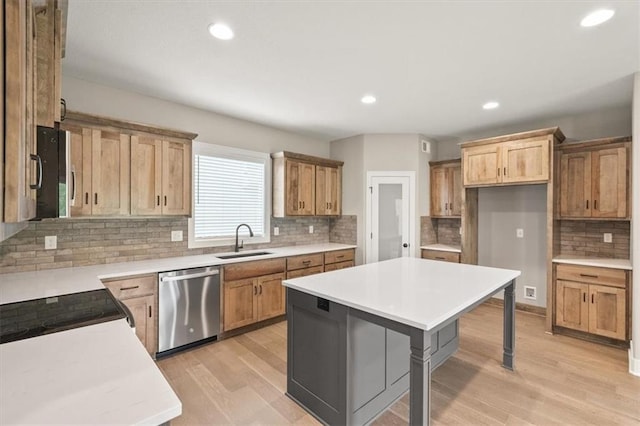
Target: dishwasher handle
point(188, 277)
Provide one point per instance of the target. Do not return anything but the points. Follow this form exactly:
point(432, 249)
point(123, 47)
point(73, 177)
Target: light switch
point(311, 229)
point(50, 242)
point(520, 233)
point(276, 230)
point(176, 236)
point(608, 237)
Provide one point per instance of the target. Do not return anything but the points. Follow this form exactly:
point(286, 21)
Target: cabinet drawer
point(447, 256)
point(258, 268)
point(133, 287)
point(304, 261)
point(339, 265)
point(304, 272)
point(338, 256)
point(592, 275)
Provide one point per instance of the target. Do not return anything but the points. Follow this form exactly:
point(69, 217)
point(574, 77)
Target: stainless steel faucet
point(241, 245)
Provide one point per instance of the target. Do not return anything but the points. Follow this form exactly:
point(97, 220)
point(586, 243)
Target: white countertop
point(54, 282)
point(417, 292)
point(601, 262)
point(99, 374)
point(442, 247)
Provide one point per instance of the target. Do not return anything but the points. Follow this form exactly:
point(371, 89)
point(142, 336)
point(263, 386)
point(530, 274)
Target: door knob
point(405, 245)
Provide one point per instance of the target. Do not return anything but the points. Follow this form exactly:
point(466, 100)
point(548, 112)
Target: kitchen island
point(359, 338)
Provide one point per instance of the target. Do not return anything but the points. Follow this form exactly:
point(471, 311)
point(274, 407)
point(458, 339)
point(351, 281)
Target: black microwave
point(52, 198)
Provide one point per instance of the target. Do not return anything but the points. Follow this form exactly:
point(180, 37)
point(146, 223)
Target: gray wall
point(503, 210)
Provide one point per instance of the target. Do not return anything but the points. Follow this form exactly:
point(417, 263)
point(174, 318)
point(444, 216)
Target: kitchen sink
point(237, 255)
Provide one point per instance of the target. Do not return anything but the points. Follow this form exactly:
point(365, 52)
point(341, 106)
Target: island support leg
point(509, 326)
point(419, 377)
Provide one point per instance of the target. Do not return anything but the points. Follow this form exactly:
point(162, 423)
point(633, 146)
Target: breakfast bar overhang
point(359, 338)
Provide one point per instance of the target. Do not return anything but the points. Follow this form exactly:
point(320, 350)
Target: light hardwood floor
point(558, 380)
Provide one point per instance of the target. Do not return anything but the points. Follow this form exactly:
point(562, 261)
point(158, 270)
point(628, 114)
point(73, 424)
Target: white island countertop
point(55, 282)
point(418, 292)
point(99, 374)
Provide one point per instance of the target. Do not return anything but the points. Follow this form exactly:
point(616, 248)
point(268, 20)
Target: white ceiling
point(303, 66)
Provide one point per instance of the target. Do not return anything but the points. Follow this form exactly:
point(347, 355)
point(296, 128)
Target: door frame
point(411, 175)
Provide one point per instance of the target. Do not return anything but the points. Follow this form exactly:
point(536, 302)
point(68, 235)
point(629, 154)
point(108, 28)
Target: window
point(230, 187)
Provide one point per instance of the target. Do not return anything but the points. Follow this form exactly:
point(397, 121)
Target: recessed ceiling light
point(221, 31)
point(491, 105)
point(596, 18)
point(368, 99)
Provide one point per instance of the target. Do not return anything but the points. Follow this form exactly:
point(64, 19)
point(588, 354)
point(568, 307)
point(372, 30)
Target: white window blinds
point(229, 191)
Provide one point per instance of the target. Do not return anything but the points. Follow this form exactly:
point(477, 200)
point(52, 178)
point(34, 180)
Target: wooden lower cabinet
point(446, 256)
point(592, 300)
point(139, 294)
point(250, 300)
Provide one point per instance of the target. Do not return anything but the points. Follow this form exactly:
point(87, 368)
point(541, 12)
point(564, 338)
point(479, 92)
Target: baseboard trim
point(537, 310)
point(634, 362)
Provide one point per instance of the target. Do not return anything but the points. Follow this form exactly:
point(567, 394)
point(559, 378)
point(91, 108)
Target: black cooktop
point(31, 318)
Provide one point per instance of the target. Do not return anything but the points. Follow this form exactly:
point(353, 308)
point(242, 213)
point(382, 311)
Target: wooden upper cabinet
point(306, 186)
point(160, 176)
point(594, 181)
point(48, 19)
point(328, 182)
point(20, 101)
point(120, 168)
point(446, 188)
point(110, 167)
point(507, 160)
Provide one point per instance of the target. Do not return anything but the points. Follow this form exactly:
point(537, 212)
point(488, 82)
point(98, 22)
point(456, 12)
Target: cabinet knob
point(405, 245)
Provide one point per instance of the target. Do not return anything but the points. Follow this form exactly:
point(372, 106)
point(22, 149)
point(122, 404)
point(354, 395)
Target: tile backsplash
point(440, 231)
point(585, 238)
point(83, 242)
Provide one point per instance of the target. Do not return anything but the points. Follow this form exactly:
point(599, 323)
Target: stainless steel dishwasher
point(189, 308)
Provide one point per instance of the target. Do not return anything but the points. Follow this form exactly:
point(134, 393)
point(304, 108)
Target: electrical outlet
point(50, 242)
point(529, 292)
point(520, 233)
point(176, 235)
point(276, 230)
point(460, 230)
point(608, 237)
point(311, 229)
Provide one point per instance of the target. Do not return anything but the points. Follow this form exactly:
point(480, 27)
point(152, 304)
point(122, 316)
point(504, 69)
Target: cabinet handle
point(129, 288)
point(73, 187)
point(158, 200)
point(306, 262)
point(439, 258)
point(595, 204)
point(592, 297)
point(451, 206)
point(446, 206)
point(36, 158)
point(587, 204)
point(340, 256)
point(63, 112)
point(588, 276)
point(95, 198)
point(584, 297)
point(165, 200)
point(505, 172)
point(149, 311)
point(260, 289)
point(86, 198)
point(299, 204)
point(498, 171)
point(303, 204)
point(255, 290)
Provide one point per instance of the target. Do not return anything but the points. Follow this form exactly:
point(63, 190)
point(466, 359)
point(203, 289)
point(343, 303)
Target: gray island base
point(346, 366)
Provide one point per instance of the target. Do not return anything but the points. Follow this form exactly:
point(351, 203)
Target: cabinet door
point(271, 296)
point(607, 311)
point(439, 192)
point(481, 164)
point(176, 178)
point(20, 149)
point(300, 188)
point(328, 197)
point(146, 175)
point(572, 308)
point(79, 188)
point(110, 167)
point(575, 185)
point(609, 192)
point(240, 303)
point(455, 188)
point(525, 161)
point(143, 311)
